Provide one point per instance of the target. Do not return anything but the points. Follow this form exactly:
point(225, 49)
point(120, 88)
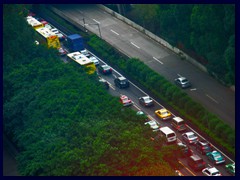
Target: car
point(196, 162)
point(85, 53)
point(121, 82)
point(44, 22)
point(178, 123)
point(153, 125)
point(216, 157)
point(145, 101)
point(105, 69)
point(104, 82)
point(94, 60)
point(48, 26)
point(186, 151)
point(62, 51)
point(211, 171)
point(203, 146)
point(190, 137)
point(125, 100)
point(230, 168)
point(60, 36)
point(54, 30)
point(182, 82)
point(163, 113)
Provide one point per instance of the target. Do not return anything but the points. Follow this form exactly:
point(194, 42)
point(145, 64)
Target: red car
point(125, 100)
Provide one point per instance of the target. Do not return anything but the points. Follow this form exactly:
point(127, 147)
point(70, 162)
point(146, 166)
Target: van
point(178, 123)
point(169, 134)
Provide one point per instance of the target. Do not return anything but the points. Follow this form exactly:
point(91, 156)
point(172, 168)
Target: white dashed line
point(179, 75)
point(114, 32)
point(212, 98)
point(158, 60)
point(135, 45)
point(194, 89)
point(96, 21)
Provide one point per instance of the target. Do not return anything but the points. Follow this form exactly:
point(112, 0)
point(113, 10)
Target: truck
point(75, 43)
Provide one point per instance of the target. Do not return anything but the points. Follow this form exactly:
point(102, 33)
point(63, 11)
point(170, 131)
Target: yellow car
point(163, 113)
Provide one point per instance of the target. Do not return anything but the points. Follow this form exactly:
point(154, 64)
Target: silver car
point(182, 82)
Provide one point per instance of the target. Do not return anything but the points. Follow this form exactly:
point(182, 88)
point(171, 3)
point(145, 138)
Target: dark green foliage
point(201, 29)
point(62, 120)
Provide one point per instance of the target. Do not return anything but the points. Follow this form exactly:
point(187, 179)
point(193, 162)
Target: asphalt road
point(217, 98)
point(134, 92)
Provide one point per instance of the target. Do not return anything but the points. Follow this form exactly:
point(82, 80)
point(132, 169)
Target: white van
point(168, 133)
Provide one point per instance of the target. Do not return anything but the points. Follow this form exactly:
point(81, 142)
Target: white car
point(94, 60)
point(48, 26)
point(189, 137)
point(85, 53)
point(211, 171)
point(153, 125)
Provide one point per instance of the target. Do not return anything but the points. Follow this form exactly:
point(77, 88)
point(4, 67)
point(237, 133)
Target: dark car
point(105, 69)
point(186, 151)
point(121, 82)
point(146, 101)
point(182, 82)
point(203, 146)
point(196, 163)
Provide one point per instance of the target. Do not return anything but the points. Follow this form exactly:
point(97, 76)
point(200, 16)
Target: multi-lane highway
point(217, 98)
point(134, 92)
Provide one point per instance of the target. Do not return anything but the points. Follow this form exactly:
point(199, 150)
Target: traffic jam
point(201, 158)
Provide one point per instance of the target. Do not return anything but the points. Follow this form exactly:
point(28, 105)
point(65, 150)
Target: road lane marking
point(212, 98)
point(187, 168)
point(114, 32)
point(157, 60)
point(179, 75)
point(194, 89)
point(96, 21)
point(135, 45)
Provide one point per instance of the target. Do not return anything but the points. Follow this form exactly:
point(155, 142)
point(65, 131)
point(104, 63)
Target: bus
point(50, 38)
point(34, 23)
point(83, 61)
point(47, 36)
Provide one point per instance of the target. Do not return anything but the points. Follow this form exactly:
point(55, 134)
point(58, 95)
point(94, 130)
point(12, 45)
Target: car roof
point(163, 110)
point(203, 142)
point(195, 157)
point(105, 65)
point(121, 78)
point(182, 78)
point(145, 97)
point(189, 133)
point(212, 170)
point(178, 119)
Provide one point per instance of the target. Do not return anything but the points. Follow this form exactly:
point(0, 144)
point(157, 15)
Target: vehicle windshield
point(192, 136)
point(165, 113)
point(217, 156)
point(184, 81)
point(215, 173)
point(170, 135)
point(123, 82)
point(181, 123)
point(125, 99)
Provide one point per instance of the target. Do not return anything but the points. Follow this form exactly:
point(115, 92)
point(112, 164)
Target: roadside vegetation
point(204, 31)
point(63, 121)
point(208, 123)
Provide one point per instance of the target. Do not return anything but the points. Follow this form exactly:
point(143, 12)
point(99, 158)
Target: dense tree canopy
point(205, 31)
point(62, 120)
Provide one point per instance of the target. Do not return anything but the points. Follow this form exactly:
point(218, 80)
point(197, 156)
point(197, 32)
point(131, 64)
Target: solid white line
point(114, 32)
point(212, 98)
point(135, 45)
point(158, 60)
point(96, 21)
